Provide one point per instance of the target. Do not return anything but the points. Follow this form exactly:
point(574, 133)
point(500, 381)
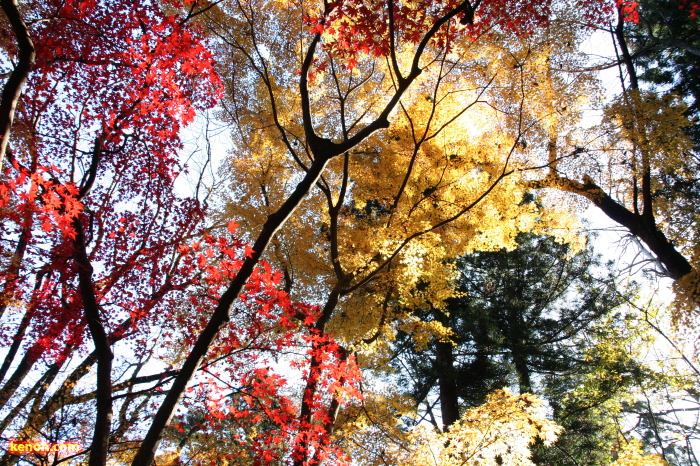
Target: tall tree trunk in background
point(449, 405)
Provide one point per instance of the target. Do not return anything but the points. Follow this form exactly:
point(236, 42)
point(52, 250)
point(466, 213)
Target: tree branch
point(13, 87)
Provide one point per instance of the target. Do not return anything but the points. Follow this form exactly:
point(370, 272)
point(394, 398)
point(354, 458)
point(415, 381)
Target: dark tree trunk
point(13, 87)
point(449, 404)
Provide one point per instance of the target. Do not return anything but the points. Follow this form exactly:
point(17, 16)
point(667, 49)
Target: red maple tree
point(99, 252)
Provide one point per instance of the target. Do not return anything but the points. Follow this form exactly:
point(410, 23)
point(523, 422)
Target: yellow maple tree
point(501, 431)
point(374, 237)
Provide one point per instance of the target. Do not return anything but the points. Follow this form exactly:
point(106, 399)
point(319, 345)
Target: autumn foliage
point(95, 231)
point(132, 316)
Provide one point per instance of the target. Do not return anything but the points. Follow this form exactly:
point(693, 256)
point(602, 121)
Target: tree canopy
point(381, 156)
